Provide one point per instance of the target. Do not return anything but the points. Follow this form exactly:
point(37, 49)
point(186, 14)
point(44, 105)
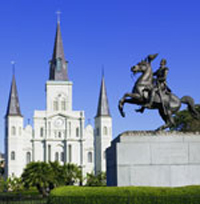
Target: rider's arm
point(164, 75)
point(155, 73)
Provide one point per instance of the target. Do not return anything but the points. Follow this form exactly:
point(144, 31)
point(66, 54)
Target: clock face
point(59, 122)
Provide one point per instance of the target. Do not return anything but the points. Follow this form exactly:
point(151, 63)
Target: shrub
point(14, 184)
point(96, 180)
point(2, 184)
point(123, 195)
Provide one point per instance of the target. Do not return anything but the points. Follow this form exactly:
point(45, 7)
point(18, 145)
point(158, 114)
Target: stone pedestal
point(154, 159)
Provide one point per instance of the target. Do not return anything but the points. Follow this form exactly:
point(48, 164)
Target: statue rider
point(161, 83)
point(160, 86)
point(161, 76)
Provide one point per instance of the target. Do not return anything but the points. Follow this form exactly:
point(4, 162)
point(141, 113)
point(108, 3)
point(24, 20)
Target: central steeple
point(58, 64)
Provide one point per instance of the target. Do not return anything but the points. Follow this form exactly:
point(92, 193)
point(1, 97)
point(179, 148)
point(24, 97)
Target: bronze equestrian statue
point(153, 93)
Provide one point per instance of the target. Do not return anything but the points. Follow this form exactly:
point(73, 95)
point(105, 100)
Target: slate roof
point(103, 107)
point(58, 64)
point(13, 108)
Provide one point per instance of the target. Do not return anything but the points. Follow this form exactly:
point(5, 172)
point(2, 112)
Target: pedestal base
point(154, 159)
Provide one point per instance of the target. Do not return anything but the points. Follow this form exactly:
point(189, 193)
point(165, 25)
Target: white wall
point(102, 141)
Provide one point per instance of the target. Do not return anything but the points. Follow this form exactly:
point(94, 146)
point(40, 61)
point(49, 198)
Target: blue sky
point(114, 34)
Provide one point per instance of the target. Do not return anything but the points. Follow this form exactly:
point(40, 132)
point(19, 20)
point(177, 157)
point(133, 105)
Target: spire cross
point(13, 66)
point(58, 16)
point(102, 70)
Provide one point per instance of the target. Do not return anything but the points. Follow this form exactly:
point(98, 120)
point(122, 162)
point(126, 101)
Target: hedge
point(24, 192)
point(125, 195)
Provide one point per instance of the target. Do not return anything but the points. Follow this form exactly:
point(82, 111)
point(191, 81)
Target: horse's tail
point(191, 106)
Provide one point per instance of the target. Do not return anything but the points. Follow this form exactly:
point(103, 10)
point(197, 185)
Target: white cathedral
point(59, 132)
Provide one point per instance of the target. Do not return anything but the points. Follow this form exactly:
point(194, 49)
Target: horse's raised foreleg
point(140, 110)
point(128, 98)
point(121, 105)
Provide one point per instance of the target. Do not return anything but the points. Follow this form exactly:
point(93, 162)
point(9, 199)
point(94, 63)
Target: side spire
point(103, 107)
point(13, 108)
point(58, 64)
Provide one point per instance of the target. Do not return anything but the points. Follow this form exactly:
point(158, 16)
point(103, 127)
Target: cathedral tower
point(59, 130)
point(13, 132)
point(103, 130)
point(58, 88)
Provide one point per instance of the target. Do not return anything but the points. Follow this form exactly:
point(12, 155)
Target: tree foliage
point(71, 174)
point(96, 180)
point(57, 174)
point(39, 175)
point(185, 122)
point(46, 176)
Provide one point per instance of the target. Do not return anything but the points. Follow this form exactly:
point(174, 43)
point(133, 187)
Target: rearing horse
point(141, 93)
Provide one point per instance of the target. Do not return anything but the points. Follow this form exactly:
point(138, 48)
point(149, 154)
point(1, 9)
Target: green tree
point(39, 175)
point(71, 174)
point(57, 173)
point(96, 180)
point(185, 122)
point(46, 176)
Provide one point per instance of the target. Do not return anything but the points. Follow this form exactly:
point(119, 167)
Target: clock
point(59, 122)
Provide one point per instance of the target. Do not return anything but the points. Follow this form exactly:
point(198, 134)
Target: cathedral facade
point(59, 132)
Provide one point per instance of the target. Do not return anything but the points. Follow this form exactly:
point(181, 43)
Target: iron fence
point(22, 200)
point(101, 200)
point(146, 199)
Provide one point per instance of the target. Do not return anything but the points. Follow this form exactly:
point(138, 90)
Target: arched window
point(63, 105)
point(89, 157)
point(41, 132)
point(28, 157)
point(13, 130)
point(59, 134)
point(56, 156)
point(55, 105)
point(62, 156)
point(77, 132)
point(105, 130)
point(12, 155)
point(69, 153)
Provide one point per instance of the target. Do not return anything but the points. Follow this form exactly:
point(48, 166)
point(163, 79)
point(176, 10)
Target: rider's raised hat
point(152, 57)
point(163, 62)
